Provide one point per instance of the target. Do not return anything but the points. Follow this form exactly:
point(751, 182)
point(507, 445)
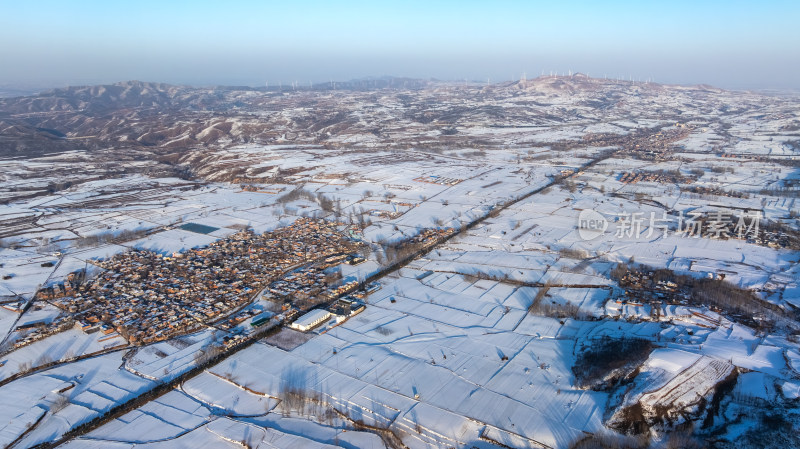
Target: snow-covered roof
point(311, 318)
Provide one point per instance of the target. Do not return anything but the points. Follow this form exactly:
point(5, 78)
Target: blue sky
point(731, 44)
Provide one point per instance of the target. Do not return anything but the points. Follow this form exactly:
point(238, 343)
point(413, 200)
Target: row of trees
point(544, 306)
point(125, 235)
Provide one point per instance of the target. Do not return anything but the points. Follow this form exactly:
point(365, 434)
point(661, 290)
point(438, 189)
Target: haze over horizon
point(736, 45)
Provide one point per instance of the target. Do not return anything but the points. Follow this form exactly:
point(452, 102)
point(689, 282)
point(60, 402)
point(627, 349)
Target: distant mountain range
point(147, 118)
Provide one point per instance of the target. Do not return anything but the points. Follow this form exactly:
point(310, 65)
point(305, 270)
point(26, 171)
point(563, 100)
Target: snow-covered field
point(472, 344)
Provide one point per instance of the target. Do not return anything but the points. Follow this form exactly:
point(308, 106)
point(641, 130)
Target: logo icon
point(591, 224)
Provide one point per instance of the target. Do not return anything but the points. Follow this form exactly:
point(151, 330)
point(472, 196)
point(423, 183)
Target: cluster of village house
point(640, 288)
point(340, 310)
point(653, 176)
point(316, 283)
point(656, 147)
point(146, 297)
point(34, 331)
point(645, 288)
point(426, 238)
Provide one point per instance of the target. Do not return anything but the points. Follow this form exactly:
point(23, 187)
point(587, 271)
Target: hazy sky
point(732, 44)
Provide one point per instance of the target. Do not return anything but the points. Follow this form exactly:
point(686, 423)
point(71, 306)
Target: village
point(655, 176)
point(146, 297)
